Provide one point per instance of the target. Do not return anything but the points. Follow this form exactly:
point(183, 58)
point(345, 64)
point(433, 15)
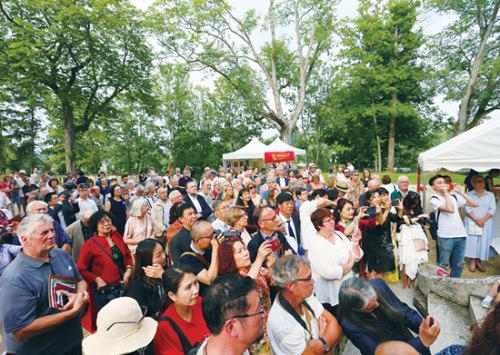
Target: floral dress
point(263, 283)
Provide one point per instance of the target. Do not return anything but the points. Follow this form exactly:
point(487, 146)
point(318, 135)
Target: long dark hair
point(144, 258)
point(340, 205)
point(354, 295)
point(485, 335)
point(251, 206)
point(412, 202)
point(171, 281)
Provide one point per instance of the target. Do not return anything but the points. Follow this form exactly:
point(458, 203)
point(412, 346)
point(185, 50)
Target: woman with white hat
point(121, 329)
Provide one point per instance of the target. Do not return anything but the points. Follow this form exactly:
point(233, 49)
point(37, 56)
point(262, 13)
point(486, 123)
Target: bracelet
point(129, 267)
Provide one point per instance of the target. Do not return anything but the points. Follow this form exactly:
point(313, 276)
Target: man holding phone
point(267, 221)
point(451, 231)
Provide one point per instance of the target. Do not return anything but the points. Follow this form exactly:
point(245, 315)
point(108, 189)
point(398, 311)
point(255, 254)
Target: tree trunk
point(392, 134)
point(286, 134)
point(69, 136)
point(465, 103)
point(378, 162)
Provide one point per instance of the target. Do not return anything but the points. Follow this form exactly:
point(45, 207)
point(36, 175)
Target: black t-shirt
point(198, 263)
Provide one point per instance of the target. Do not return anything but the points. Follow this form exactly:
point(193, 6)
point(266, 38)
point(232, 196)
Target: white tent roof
point(477, 148)
point(253, 150)
point(279, 146)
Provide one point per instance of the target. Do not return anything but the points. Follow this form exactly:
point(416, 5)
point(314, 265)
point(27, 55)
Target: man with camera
point(267, 221)
point(203, 253)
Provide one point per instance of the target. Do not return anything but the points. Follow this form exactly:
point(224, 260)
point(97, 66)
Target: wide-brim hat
point(121, 329)
point(342, 185)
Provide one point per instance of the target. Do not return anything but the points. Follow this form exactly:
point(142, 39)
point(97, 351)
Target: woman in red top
point(182, 306)
point(104, 261)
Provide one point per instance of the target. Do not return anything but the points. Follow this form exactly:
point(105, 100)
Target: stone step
point(454, 320)
point(476, 311)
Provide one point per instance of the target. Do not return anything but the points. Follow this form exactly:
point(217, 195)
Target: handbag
point(474, 229)
point(418, 236)
point(104, 295)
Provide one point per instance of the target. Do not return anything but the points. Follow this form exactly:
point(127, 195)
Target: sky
point(431, 23)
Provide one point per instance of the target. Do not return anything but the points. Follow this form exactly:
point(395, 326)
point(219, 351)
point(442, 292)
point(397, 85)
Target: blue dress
point(478, 247)
point(119, 212)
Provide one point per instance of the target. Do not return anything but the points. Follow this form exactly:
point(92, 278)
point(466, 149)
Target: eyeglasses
point(211, 235)
point(251, 187)
point(130, 322)
point(259, 313)
point(328, 220)
point(269, 219)
point(307, 279)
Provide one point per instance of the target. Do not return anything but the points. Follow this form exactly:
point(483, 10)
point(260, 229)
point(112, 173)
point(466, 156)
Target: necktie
point(290, 229)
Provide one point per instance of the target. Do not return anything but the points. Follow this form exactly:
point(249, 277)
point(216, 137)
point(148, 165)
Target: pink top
point(136, 230)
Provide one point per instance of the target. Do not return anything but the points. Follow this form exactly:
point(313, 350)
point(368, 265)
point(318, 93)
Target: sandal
point(472, 267)
point(481, 267)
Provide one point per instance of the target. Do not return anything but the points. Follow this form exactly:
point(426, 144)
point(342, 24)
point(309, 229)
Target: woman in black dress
point(377, 241)
point(116, 205)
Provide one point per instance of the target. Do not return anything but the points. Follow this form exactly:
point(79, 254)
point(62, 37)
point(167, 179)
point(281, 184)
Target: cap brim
point(97, 344)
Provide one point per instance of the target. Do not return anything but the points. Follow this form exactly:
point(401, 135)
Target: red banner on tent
point(276, 157)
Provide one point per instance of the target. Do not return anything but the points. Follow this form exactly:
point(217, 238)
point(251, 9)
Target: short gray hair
point(403, 177)
point(31, 205)
point(139, 187)
point(135, 210)
point(30, 223)
point(173, 195)
point(286, 268)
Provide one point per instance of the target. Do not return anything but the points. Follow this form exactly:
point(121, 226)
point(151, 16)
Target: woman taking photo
point(116, 205)
point(237, 220)
point(105, 264)
point(139, 226)
point(377, 241)
point(412, 239)
point(234, 258)
point(332, 256)
point(145, 284)
point(181, 306)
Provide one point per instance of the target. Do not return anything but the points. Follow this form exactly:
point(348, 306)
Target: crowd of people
point(281, 260)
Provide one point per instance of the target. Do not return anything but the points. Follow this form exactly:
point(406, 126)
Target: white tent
point(253, 150)
point(279, 146)
point(477, 148)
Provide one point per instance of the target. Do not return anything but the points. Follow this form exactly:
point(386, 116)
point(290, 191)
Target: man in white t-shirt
point(297, 322)
point(451, 231)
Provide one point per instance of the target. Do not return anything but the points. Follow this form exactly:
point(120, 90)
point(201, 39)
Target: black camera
point(231, 233)
point(5, 229)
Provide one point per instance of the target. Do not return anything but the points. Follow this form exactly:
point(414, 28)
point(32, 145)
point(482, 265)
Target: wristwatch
point(326, 347)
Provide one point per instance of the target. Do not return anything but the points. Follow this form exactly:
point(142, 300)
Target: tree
point(467, 54)
point(206, 34)
point(83, 53)
point(374, 103)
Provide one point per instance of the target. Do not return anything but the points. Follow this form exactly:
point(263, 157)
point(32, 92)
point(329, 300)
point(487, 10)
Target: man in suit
point(282, 180)
point(291, 221)
point(267, 220)
point(200, 205)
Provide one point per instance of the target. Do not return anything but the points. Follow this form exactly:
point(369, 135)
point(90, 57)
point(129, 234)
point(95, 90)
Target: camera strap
point(288, 307)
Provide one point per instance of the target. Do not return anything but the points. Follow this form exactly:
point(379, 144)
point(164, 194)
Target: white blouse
point(326, 261)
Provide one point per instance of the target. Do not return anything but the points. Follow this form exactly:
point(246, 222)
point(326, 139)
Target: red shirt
point(166, 340)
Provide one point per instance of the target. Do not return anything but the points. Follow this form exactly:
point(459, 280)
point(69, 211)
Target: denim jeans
point(451, 252)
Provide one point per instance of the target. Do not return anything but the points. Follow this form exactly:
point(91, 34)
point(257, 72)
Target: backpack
point(434, 221)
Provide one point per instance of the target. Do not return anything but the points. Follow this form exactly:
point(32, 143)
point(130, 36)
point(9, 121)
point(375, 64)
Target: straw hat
point(342, 185)
point(121, 329)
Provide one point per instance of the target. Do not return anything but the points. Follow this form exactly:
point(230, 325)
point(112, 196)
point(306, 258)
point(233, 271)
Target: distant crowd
point(280, 260)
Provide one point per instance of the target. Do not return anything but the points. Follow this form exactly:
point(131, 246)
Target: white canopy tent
point(253, 150)
point(477, 148)
point(279, 146)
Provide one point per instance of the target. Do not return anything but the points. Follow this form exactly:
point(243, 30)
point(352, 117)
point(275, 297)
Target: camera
point(231, 233)
point(5, 229)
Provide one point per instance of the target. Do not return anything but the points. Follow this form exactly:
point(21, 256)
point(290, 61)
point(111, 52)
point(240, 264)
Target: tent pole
point(425, 192)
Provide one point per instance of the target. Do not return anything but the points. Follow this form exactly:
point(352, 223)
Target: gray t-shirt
point(24, 298)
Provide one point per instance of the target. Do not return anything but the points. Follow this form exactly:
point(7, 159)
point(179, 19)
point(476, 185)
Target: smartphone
point(451, 187)
point(371, 210)
point(395, 203)
point(275, 244)
point(423, 312)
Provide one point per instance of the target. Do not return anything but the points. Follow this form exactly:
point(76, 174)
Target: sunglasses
point(129, 322)
point(251, 187)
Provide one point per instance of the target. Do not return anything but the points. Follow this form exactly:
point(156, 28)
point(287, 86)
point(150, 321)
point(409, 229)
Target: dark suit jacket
point(258, 239)
point(296, 223)
point(54, 212)
point(367, 343)
point(206, 211)
point(287, 180)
